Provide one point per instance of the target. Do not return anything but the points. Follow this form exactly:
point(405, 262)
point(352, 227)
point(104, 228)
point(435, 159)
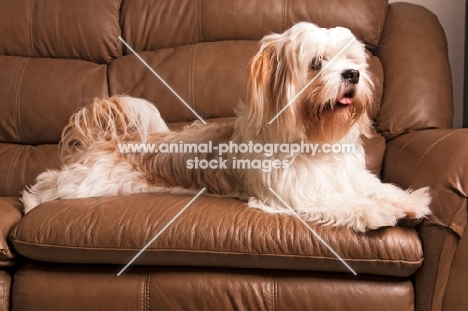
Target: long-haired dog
point(331, 188)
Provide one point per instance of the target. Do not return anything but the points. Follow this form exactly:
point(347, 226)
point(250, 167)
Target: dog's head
point(317, 76)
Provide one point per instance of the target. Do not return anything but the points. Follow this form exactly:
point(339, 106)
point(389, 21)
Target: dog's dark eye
point(316, 63)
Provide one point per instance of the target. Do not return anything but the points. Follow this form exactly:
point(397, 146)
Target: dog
point(317, 78)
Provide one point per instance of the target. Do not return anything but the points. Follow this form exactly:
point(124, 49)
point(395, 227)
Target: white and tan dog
point(328, 188)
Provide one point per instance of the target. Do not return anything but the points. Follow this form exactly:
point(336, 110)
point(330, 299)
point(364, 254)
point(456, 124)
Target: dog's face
point(327, 67)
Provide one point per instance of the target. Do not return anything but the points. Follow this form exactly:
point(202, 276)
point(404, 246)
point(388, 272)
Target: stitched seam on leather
point(11, 171)
point(40, 244)
point(193, 52)
point(199, 22)
point(413, 174)
point(409, 142)
point(285, 13)
point(32, 51)
point(148, 292)
point(17, 98)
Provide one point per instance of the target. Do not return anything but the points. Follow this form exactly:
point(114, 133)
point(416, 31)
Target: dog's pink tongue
point(345, 100)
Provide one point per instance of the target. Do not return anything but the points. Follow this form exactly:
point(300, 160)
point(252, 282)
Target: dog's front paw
point(406, 208)
point(416, 207)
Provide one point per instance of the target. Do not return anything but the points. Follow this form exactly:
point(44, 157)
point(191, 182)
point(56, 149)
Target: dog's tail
point(114, 119)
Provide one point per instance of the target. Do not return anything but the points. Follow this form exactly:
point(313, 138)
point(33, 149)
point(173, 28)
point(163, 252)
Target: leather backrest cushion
point(418, 85)
point(38, 95)
point(84, 29)
point(21, 164)
point(210, 77)
point(150, 25)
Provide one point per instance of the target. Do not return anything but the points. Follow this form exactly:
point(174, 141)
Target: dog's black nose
point(351, 75)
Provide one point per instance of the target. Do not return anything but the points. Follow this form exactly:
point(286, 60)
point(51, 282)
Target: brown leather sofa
point(220, 255)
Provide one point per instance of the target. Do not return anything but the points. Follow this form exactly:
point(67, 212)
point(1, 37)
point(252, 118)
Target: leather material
point(217, 232)
point(5, 285)
point(457, 280)
point(416, 96)
point(164, 288)
point(38, 96)
point(10, 214)
point(21, 164)
point(377, 75)
point(438, 159)
point(434, 158)
point(439, 245)
point(61, 29)
point(210, 77)
point(374, 147)
point(169, 24)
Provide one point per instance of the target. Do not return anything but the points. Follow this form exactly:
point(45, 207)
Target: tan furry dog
point(321, 73)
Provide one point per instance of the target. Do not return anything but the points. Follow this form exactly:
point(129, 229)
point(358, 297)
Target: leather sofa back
point(54, 53)
point(56, 56)
point(152, 25)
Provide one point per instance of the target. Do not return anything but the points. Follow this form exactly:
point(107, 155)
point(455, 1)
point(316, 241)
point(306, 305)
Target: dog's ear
point(259, 94)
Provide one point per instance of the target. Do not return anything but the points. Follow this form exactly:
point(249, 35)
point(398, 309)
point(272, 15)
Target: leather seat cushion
point(216, 232)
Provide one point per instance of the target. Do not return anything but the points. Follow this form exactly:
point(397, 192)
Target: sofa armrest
point(10, 214)
point(438, 159)
point(418, 86)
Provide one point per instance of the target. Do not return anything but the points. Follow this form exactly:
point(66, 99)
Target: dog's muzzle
point(351, 76)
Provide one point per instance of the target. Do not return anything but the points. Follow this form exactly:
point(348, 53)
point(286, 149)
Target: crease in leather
point(459, 220)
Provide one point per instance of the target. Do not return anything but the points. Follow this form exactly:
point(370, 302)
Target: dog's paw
point(416, 204)
point(378, 216)
point(407, 209)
